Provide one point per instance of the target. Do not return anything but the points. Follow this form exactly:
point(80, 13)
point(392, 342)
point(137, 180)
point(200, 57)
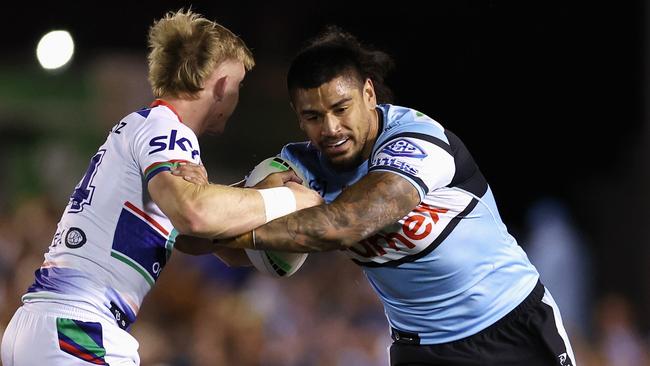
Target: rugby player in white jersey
point(407, 202)
point(118, 230)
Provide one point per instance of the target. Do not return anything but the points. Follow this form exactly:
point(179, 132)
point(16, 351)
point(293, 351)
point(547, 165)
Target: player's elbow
point(189, 220)
point(352, 237)
point(346, 243)
point(339, 242)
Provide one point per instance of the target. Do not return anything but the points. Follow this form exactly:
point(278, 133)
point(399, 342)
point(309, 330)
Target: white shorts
point(48, 333)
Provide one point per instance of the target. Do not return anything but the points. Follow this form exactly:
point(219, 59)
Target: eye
point(340, 110)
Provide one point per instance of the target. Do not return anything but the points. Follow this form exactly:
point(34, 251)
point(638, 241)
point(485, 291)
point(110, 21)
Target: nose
point(331, 126)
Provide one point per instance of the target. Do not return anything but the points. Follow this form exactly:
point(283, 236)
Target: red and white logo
point(408, 236)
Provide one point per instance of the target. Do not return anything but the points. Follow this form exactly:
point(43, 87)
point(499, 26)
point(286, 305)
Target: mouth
point(337, 146)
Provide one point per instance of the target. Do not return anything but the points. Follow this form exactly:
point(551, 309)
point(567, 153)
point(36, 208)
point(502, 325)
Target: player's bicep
point(377, 200)
point(171, 194)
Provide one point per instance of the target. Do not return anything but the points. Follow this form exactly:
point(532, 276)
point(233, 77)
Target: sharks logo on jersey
point(404, 147)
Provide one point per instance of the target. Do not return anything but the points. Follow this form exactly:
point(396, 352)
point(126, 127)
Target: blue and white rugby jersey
point(448, 269)
point(113, 241)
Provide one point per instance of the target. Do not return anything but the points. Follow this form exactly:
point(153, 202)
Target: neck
point(190, 111)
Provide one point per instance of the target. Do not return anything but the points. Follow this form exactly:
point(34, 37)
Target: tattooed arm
point(377, 200)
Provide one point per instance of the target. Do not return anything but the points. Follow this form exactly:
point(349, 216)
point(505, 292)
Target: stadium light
point(55, 49)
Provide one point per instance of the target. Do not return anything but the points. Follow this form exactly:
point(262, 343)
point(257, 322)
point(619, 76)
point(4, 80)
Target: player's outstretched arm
point(198, 246)
point(208, 210)
point(198, 208)
point(377, 200)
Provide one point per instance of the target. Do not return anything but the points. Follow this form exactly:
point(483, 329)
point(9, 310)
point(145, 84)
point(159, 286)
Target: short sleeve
point(163, 142)
point(424, 160)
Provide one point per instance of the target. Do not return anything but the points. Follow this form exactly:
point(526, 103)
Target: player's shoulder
point(395, 116)
point(302, 154)
point(159, 120)
point(298, 150)
point(398, 120)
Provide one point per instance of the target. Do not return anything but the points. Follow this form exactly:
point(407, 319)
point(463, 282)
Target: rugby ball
point(269, 262)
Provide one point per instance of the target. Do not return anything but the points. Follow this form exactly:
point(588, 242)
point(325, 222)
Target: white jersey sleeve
point(156, 148)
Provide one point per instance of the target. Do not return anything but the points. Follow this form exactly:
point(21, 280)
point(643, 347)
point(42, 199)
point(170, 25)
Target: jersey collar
point(158, 102)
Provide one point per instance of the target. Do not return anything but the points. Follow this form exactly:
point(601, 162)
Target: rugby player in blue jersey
point(407, 202)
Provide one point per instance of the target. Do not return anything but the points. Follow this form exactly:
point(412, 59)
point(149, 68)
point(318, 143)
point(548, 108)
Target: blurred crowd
point(204, 313)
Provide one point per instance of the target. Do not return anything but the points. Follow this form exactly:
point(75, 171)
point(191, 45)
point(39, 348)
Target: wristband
point(278, 202)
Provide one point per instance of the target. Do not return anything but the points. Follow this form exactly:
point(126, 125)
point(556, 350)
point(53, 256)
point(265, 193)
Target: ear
point(369, 96)
point(219, 90)
point(293, 107)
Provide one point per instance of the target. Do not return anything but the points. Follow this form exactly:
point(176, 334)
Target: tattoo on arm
point(377, 200)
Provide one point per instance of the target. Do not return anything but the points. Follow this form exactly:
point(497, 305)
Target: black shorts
point(527, 336)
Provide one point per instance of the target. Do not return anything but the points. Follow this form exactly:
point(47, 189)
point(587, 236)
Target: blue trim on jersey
point(155, 172)
point(140, 242)
point(43, 281)
point(68, 281)
point(144, 112)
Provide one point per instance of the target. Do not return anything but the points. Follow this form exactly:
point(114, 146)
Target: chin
point(346, 162)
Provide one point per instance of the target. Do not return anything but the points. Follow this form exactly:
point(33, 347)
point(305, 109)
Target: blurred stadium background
point(551, 99)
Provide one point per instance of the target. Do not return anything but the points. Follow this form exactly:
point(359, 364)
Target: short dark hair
point(335, 52)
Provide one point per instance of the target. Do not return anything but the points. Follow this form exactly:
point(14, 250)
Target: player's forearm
point(232, 257)
point(193, 245)
point(316, 229)
point(220, 211)
point(374, 202)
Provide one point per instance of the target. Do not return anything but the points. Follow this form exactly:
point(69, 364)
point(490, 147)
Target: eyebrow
point(335, 105)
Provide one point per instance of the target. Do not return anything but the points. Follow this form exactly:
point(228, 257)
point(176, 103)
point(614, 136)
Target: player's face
point(228, 80)
point(339, 118)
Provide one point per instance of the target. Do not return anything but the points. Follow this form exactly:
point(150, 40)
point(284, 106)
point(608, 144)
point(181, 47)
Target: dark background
point(549, 97)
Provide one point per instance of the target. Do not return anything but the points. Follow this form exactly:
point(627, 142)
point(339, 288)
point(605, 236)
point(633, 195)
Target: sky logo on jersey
point(170, 142)
point(403, 147)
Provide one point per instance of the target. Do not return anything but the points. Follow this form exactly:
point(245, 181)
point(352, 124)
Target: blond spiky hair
point(185, 49)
